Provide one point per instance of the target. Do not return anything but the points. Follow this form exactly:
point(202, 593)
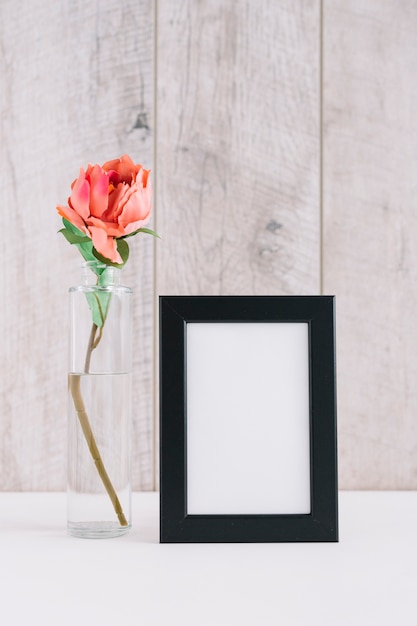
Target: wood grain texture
point(238, 147)
point(76, 87)
point(237, 187)
point(370, 226)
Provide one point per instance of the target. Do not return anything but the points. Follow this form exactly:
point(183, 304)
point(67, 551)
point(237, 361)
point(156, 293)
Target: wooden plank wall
point(370, 229)
point(281, 135)
point(76, 87)
point(238, 147)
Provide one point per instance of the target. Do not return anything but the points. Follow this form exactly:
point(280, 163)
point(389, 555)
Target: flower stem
point(90, 347)
point(75, 386)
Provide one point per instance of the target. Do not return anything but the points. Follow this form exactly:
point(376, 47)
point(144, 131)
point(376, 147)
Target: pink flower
point(108, 202)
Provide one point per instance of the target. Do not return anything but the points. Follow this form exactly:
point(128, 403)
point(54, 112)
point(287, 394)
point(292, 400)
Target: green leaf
point(148, 231)
point(72, 237)
point(73, 229)
point(98, 301)
point(76, 237)
point(123, 249)
point(86, 250)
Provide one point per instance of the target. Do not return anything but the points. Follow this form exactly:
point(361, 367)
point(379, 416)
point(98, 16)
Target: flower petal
point(73, 217)
point(99, 189)
point(112, 229)
point(136, 212)
point(80, 195)
point(124, 167)
point(117, 199)
point(143, 176)
point(106, 246)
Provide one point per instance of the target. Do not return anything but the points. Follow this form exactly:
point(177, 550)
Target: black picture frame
point(316, 313)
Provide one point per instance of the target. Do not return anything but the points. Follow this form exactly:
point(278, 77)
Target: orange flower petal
point(117, 200)
point(106, 246)
point(111, 229)
point(124, 166)
point(142, 176)
point(136, 212)
point(80, 195)
point(73, 217)
point(99, 188)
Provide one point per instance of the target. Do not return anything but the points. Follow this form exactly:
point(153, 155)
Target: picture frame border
point(176, 525)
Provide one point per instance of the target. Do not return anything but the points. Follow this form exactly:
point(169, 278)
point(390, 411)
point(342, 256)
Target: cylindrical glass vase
point(99, 416)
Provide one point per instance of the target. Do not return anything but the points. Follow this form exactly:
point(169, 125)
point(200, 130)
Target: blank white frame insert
point(248, 418)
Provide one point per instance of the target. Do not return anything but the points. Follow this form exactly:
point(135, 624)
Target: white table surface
point(48, 578)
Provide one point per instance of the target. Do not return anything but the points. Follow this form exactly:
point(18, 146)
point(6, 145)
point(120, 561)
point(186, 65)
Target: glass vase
point(99, 415)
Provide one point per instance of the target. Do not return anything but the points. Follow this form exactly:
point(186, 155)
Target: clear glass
point(100, 406)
